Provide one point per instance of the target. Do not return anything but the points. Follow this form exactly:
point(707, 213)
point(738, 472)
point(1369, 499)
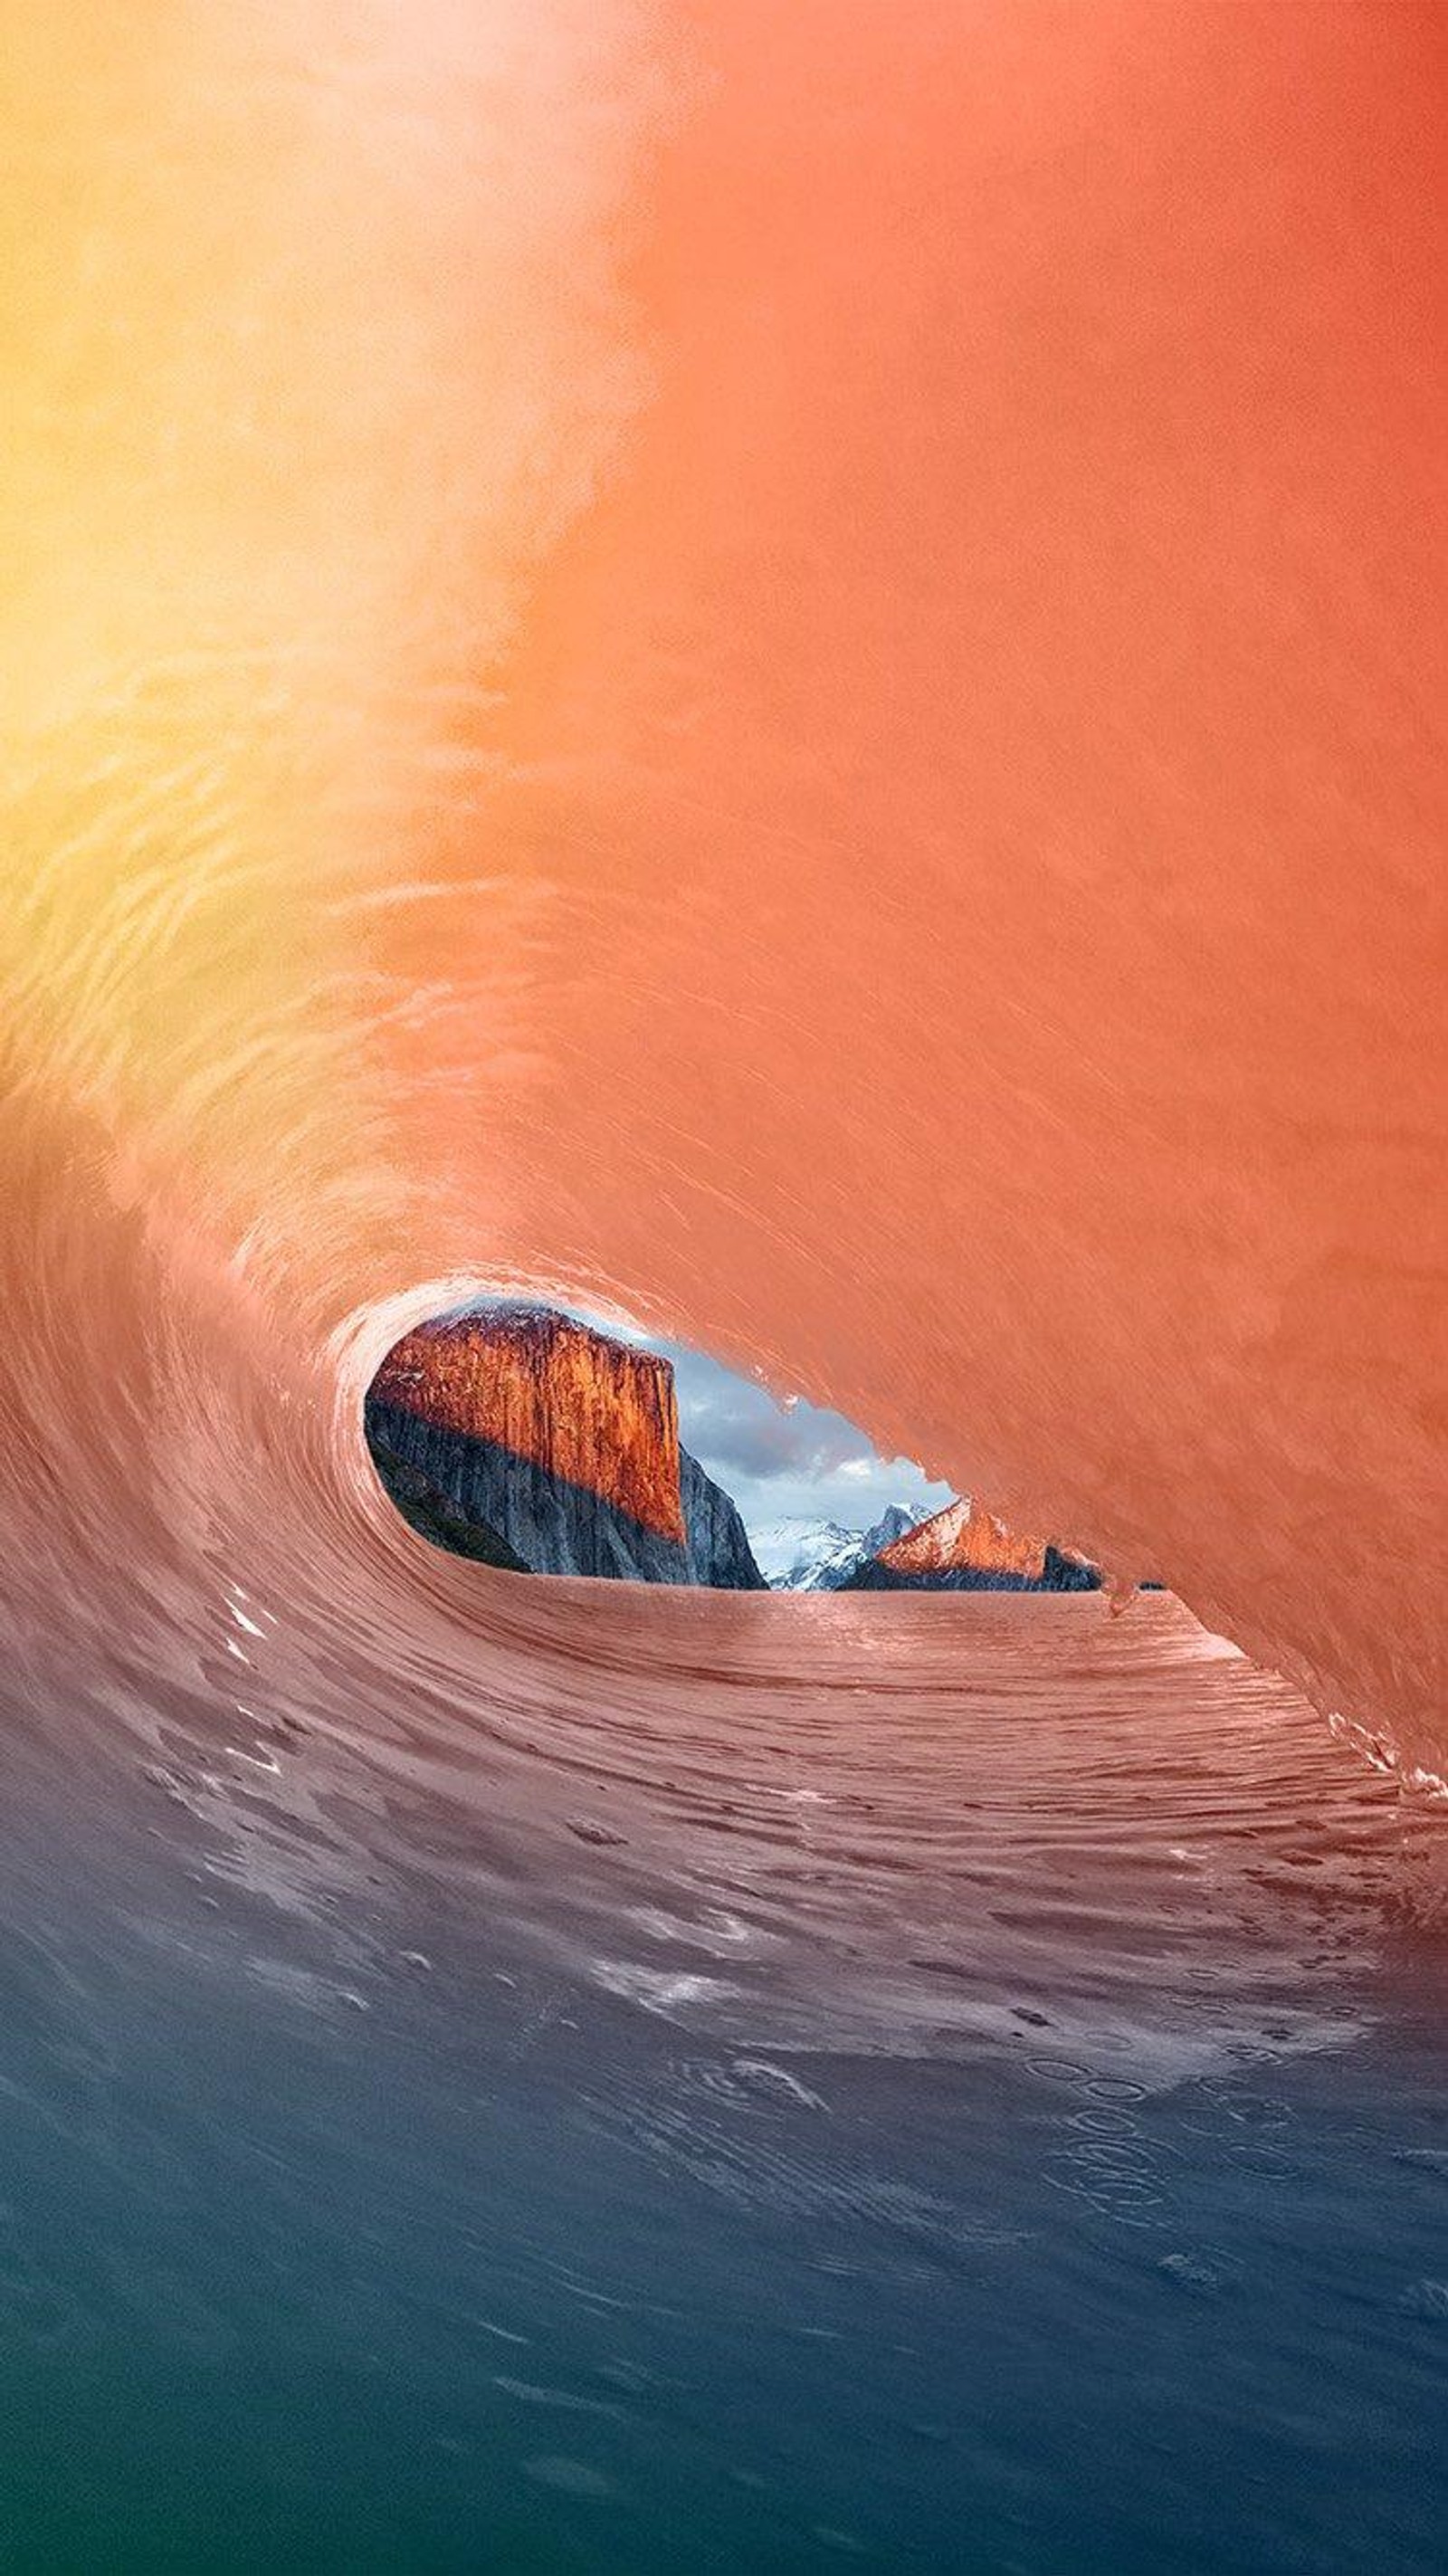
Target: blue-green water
point(975, 2101)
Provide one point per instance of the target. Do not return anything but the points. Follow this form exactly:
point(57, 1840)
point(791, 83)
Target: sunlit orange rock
point(960, 1537)
point(595, 1412)
point(965, 1549)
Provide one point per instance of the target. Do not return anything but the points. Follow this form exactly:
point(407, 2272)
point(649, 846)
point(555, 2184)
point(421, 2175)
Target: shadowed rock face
point(435, 1515)
point(556, 1447)
point(719, 1553)
point(962, 1549)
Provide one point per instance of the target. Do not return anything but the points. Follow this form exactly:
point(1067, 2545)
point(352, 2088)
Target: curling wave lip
point(821, 727)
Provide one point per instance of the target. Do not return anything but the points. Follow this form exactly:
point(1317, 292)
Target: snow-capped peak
point(802, 1555)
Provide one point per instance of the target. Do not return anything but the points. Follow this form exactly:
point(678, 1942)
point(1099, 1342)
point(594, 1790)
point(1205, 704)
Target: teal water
point(975, 2099)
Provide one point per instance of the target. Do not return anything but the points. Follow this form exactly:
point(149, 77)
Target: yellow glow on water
point(302, 365)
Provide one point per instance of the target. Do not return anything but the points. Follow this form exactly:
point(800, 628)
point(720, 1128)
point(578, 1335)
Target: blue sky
point(784, 1461)
point(779, 1460)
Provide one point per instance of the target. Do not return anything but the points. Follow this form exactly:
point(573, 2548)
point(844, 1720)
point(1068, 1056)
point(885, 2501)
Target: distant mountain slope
point(797, 1554)
point(964, 1549)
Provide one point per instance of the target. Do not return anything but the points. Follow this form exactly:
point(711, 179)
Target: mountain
point(963, 1549)
point(802, 1555)
point(525, 1432)
point(719, 1553)
point(893, 1524)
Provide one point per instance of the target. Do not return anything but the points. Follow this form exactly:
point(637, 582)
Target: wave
point(782, 686)
point(419, 865)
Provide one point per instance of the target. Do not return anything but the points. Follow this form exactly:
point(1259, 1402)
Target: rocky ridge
point(965, 1549)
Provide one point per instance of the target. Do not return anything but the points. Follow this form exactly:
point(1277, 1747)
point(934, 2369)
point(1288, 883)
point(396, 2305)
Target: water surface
point(936, 2082)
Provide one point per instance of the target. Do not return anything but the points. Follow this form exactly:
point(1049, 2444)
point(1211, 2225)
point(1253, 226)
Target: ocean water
point(749, 2083)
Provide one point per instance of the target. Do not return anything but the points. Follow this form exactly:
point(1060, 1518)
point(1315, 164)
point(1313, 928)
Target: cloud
point(728, 1421)
point(780, 1456)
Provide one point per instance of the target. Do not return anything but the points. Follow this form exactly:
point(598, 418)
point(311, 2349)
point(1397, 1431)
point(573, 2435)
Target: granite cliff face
point(436, 1516)
point(963, 1549)
point(556, 1443)
point(718, 1550)
point(579, 1406)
